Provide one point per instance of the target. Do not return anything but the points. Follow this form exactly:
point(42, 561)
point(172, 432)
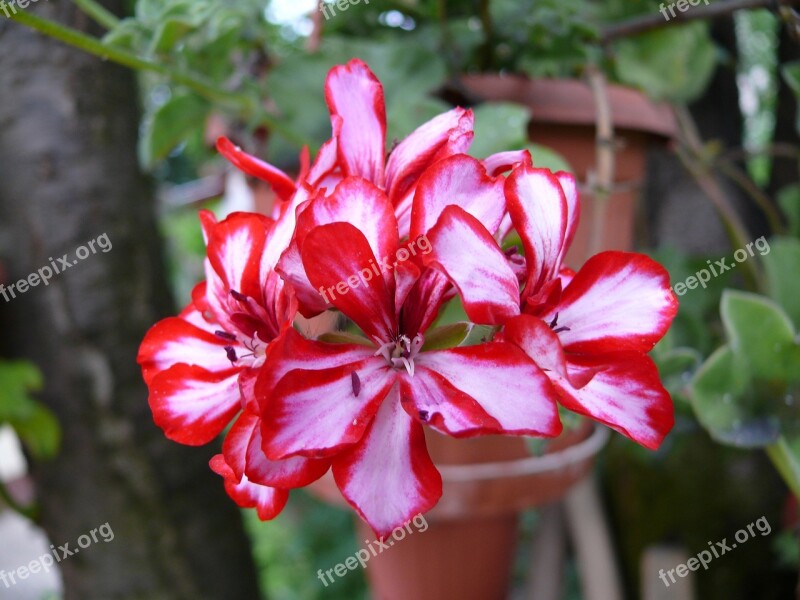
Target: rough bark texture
point(68, 173)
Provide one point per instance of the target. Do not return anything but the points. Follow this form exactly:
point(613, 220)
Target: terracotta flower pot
point(563, 117)
point(468, 548)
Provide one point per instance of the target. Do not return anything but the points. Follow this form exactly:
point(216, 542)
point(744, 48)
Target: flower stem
point(781, 456)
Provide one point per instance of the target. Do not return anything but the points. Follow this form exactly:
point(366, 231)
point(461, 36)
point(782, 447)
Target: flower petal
point(193, 405)
point(538, 340)
point(339, 262)
point(359, 203)
point(625, 393)
point(468, 254)
point(499, 163)
point(526, 406)
point(282, 184)
point(444, 135)
point(326, 165)
point(459, 180)
point(389, 477)
point(617, 301)
point(243, 453)
point(570, 187)
point(292, 351)
point(424, 301)
point(175, 340)
point(538, 208)
point(235, 248)
point(355, 94)
point(267, 501)
point(318, 413)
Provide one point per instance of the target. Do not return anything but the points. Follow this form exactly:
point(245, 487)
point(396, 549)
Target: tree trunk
point(68, 174)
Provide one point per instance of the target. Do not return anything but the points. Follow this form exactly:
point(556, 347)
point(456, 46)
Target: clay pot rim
point(571, 102)
point(531, 465)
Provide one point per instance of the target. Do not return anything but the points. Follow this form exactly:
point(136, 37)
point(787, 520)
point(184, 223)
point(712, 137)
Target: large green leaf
point(782, 262)
point(671, 63)
point(745, 394)
point(171, 124)
point(761, 336)
point(723, 400)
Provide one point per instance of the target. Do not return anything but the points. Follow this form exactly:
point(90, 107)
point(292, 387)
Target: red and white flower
point(362, 406)
point(589, 330)
point(298, 407)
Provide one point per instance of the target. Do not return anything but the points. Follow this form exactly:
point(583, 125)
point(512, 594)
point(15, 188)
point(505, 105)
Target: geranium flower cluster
point(358, 404)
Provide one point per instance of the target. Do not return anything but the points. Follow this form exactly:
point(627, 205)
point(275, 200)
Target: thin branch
point(602, 181)
point(778, 149)
point(665, 18)
point(751, 189)
point(691, 155)
point(98, 13)
point(243, 104)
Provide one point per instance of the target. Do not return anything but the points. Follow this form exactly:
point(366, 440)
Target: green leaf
point(18, 380)
point(129, 34)
point(761, 336)
point(791, 75)
point(499, 126)
point(782, 264)
point(40, 433)
point(672, 63)
point(170, 125)
point(789, 201)
point(744, 394)
point(169, 33)
point(447, 336)
point(722, 400)
point(343, 337)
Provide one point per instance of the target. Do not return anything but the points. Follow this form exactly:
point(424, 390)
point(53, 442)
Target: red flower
point(362, 406)
point(590, 331)
point(200, 367)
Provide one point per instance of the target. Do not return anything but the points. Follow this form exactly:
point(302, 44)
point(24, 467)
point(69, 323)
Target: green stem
point(245, 107)
point(98, 13)
point(29, 512)
point(92, 46)
point(781, 456)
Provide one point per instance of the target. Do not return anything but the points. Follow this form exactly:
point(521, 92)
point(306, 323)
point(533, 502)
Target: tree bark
point(68, 174)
